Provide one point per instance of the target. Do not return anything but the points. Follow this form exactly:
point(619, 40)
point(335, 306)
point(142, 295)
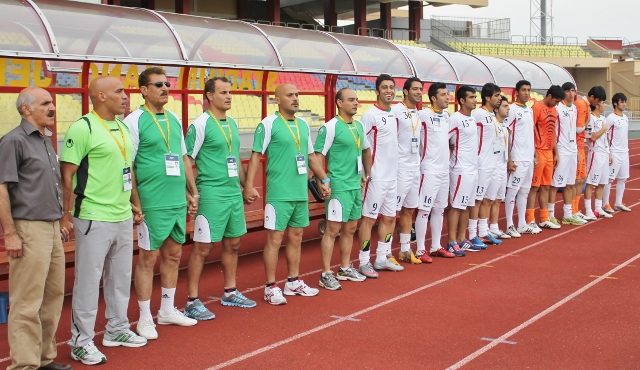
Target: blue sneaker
point(477, 242)
point(490, 239)
point(455, 249)
point(466, 245)
point(197, 311)
point(237, 299)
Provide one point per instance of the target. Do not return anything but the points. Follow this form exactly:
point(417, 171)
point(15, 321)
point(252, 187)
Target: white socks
point(494, 228)
point(483, 227)
point(473, 228)
point(599, 205)
point(620, 185)
point(145, 310)
point(405, 239)
point(509, 205)
point(166, 302)
point(606, 193)
point(521, 206)
point(382, 251)
point(567, 210)
point(422, 220)
point(587, 206)
point(551, 207)
point(437, 219)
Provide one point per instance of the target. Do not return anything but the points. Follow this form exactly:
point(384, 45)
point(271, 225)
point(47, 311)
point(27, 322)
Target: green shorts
point(217, 220)
point(278, 215)
point(344, 206)
point(160, 224)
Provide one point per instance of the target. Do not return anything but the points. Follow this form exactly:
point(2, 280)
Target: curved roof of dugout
point(74, 31)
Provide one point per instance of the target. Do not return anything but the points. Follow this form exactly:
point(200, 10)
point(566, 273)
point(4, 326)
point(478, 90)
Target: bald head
point(108, 97)
point(287, 99)
point(36, 106)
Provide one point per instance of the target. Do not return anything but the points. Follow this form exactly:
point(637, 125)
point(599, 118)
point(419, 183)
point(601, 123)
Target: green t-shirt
point(208, 145)
point(98, 184)
point(273, 138)
point(156, 189)
point(337, 141)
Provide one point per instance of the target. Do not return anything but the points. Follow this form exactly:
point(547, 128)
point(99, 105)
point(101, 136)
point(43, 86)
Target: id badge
point(359, 164)
point(414, 145)
point(232, 167)
point(172, 164)
point(300, 163)
point(126, 179)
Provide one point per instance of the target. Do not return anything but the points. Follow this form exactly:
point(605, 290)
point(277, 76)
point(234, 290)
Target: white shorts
point(498, 184)
point(462, 188)
point(434, 190)
point(379, 197)
point(598, 168)
point(484, 178)
point(619, 168)
point(565, 172)
point(408, 183)
point(522, 176)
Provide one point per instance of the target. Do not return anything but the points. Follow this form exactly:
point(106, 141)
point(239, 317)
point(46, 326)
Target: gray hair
point(25, 98)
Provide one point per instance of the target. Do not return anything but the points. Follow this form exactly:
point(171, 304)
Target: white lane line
point(503, 342)
point(330, 324)
point(540, 315)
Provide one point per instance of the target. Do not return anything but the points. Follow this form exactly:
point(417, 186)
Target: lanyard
point(122, 147)
point(356, 136)
point(229, 140)
point(414, 123)
point(296, 139)
point(166, 138)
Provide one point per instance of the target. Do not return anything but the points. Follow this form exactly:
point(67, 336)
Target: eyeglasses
point(159, 84)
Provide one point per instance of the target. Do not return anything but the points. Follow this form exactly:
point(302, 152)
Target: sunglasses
point(159, 84)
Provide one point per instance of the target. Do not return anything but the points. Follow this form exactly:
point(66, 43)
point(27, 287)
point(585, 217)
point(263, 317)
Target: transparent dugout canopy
point(74, 31)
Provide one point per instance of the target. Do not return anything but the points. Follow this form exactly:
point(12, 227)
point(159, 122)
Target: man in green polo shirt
point(343, 143)
point(162, 180)
point(96, 170)
point(286, 141)
point(213, 144)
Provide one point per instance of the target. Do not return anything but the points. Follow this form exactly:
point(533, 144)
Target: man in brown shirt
point(30, 210)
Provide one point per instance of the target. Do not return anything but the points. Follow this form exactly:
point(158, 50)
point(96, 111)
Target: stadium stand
point(533, 50)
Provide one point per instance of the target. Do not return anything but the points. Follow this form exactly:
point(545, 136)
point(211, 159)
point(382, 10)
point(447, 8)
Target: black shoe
point(56, 366)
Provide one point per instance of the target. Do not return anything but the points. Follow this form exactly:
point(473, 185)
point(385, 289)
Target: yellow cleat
point(409, 257)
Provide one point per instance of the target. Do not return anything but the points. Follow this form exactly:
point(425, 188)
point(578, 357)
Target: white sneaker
point(176, 317)
point(537, 228)
point(298, 287)
point(590, 216)
point(622, 207)
point(88, 355)
point(603, 214)
point(531, 228)
point(146, 328)
point(548, 225)
point(512, 232)
point(273, 295)
point(500, 234)
point(580, 215)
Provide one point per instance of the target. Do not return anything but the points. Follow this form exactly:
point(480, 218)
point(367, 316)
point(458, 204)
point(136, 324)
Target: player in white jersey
point(463, 170)
point(618, 136)
point(408, 163)
point(381, 128)
point(520, 164)
point(597, 162)
point(434, 173)
point(487, 145)
point(564, 175)
point(498, 185)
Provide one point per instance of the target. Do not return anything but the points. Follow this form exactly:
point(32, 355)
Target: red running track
point(562, 299)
